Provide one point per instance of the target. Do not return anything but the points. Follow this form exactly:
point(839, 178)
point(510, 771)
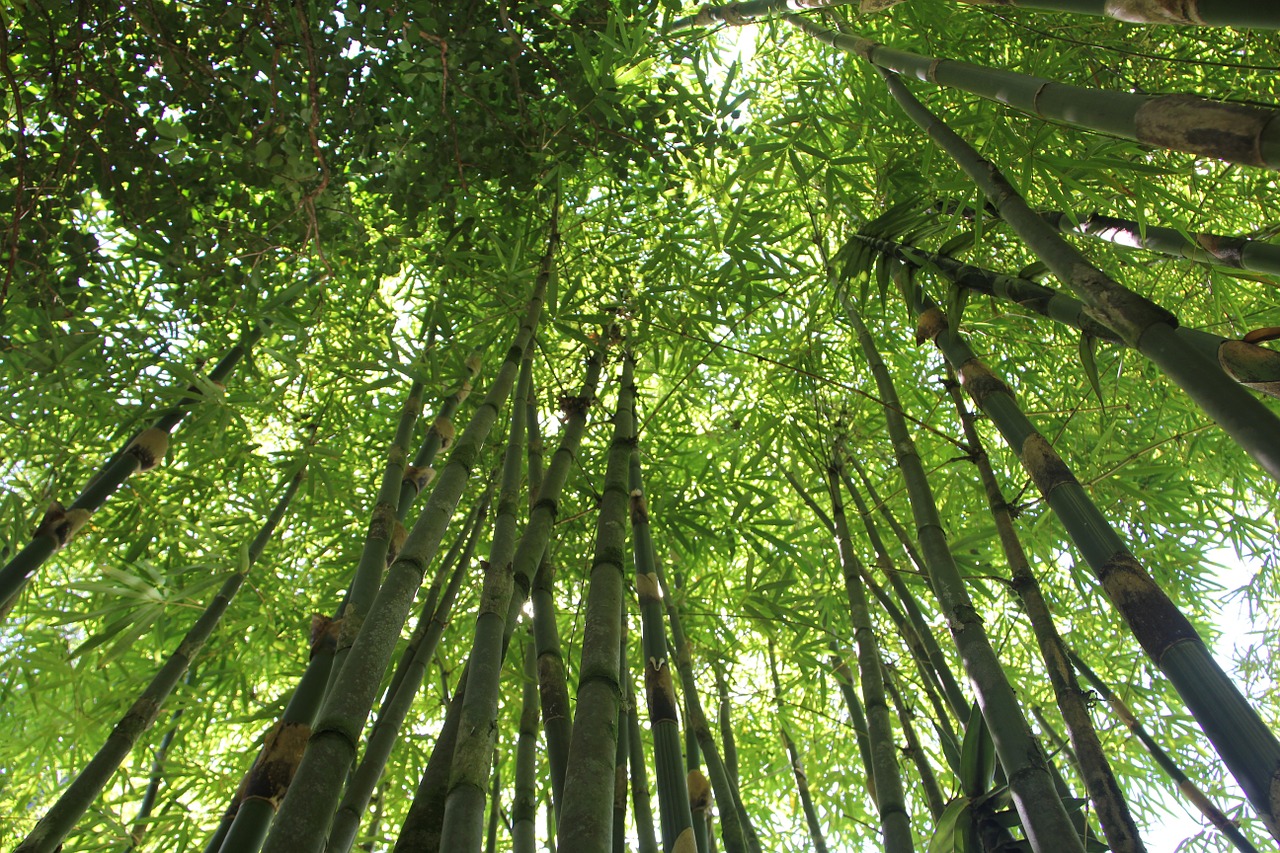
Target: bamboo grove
point(612, 425)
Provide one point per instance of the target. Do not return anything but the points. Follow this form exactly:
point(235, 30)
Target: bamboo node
point(1153, 11)
point(1231, 132)
point(149, 447)
point(685, 843)
point(639, 509)
point(324, 633)
point(443, 427)
point(647, 587)
point(464, 391)
point(419, 478)
point(472, 364)
point(61, 524)
point(399, 533)
point(281, 753)
point(931, 323)
point(699, 791)
point(1251, 365)
point(980, 382)
point(1043, 463)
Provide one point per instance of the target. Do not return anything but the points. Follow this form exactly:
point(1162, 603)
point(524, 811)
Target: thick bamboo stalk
point(401, 694)
point(587, 814)
point(1213, 13)
point(1189, 789)
point(62, 816)
point(143, 452)
point(797, 766)
point(737, 830)
point(524, 808)
point(895, 821)
point(463, 828)
point(737, 14)
point(1118, 825)
point(302, 822)
point(913, 749)
point(1043, 816)
point(1141, 323)
point(1232, 132)
point(1249, 749)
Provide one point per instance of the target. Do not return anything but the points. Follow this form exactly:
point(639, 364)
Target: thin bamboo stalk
point(302, 822)
point(1249, 749)
point(724, 720)
point(1043, 816)
point(913, 749)
point(843, 677)
point(895, 821)
point(142, 453)
point(142, 820)
point(417, 657)
point(1189, 789)
point(641, 804)
point(1141, 323)
point(463, 828)
point(738, 14)
point(736, 828)
point(495, 808)
point(586, 817)
point(1232, 132)
point(48, 834)
point(1118, 825)
point(420, 832)
point(797, 766)
point(524, 808)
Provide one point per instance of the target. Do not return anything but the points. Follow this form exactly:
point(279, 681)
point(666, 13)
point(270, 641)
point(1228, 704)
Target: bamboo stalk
point(725, 721)
point(738, 14)
point(1189, 789)
point(586, 817)
point(142, 820)
point(641, 805)
point(913, 749)
point(857, 718)
point(524, 808)
point(420, 832)
point(1142, 324)
point(302, 822)
point(1044, 819)
point(1249, 749)
point(463, 827)
point(622, 752)
point(48, 834)
point(1213, 13)
point(895, 821)
point(495, 810)
point(797, 766)
point(1118, 825)
point(737, 830)
point(1232, 132)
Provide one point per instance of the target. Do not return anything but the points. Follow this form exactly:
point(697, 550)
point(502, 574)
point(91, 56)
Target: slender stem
point(797, 766)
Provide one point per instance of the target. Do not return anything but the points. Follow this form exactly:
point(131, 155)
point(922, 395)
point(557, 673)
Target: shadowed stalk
point(1043, 816)
point(1225, 131)
point(843, 677)
point(913, 750)
point(139, 829)
point(463, 827)
point(303, 821)
point(47, 835)
point(420, 832)
point(797, 766)
point(1186, 787)
point(641, 804)
point(1249, 749)
point(735, 824)
point(1141, 323)
point(895, 822)
point(622, 752)
point(724, 719)
point(491, 838)
point(587, 813)
point(524, 808)
point(1118, 825)
point(144, 452)
point(385, 731)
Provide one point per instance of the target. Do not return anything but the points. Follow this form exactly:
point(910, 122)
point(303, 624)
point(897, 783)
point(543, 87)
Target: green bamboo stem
point(1044, 818)
point(736, 828)
point(385, 731)
point(524, 808)
point(1232, 132)
point(1142, 324)
point(899, 531)
point(143, 452)
point(797, 766)
point(1212, 13)
point(913, 749)
point(378, 542)
point(724, 719)
point(738, 14)
point(302, 822)
point(1249, 749)
point(641, 803)
point(697, 783)
point(1189, 789)
point(463, 828)
point(1253, 366)
point(586, 816)
point(419, 474)
point(63, 815)
point(420, 832)
point(621, 752)
point(895, 821)
point(1118, 825)
point(843, 677)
